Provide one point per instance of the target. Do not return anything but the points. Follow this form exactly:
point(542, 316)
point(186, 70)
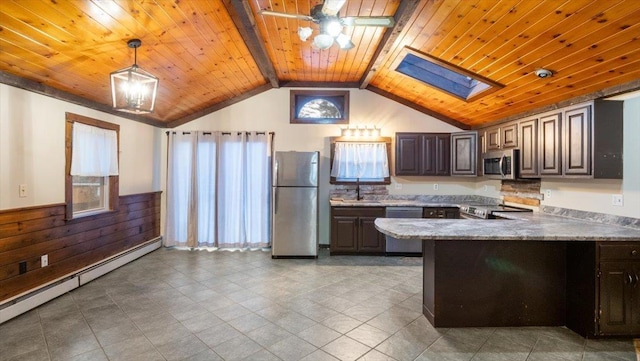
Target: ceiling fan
point(331, 24)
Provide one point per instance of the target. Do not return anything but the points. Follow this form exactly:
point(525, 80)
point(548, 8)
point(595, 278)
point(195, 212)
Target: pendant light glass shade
point(133, 89)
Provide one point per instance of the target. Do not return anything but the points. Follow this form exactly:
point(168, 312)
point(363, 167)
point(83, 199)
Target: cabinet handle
point(635, 282)
point(634, 252)
point(629, 279)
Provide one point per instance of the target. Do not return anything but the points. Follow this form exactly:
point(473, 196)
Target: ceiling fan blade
point(387, 21)
point(331, 7)
point(285, 15)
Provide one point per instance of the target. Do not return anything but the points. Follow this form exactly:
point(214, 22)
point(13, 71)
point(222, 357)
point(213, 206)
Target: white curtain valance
point(360, 161)
point(94, 151)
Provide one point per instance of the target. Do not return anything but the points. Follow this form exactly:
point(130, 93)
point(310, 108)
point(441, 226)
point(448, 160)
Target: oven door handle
point(500, 164)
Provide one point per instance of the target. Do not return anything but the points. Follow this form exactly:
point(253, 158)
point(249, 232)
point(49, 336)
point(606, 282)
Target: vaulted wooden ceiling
point(209, 54)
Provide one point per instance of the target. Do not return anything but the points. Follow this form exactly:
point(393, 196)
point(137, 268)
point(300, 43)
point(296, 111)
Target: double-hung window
point(92, 166)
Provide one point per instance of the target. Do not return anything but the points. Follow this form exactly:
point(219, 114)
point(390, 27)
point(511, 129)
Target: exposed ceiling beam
point(39, 88)
point(318, 84)
point(402, 16)
point(242, 17)
point(218, 106)
point(417, 107)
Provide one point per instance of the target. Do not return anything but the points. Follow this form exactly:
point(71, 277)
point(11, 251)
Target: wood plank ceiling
point(209, 54)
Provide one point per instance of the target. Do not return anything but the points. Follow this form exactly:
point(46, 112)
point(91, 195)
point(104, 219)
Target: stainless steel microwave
point(502, 164)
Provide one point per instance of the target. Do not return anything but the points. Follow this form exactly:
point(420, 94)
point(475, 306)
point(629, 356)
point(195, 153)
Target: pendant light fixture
point(133, 89)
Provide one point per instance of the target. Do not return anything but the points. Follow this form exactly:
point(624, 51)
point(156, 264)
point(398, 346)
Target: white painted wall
point(269, 111)
point(32, 134)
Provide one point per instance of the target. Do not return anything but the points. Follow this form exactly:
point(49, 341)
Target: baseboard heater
point(34, 298)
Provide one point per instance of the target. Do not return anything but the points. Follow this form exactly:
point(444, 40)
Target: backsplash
point(593, 216)
point(350, 191)
point(522, 191)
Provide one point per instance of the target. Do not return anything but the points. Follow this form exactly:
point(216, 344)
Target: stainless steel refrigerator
point(295, 205)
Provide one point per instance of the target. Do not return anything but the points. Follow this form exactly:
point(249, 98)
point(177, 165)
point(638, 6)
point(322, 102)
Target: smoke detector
point(543, 73)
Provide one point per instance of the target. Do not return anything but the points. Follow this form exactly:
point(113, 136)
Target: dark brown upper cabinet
point(576, 131)
point(528, 134)
point(423, 154)
point(583, 141)
point(464, 153)
point(502, 137)
point(550, 144)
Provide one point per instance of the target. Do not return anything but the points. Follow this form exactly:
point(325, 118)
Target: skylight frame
point(492, 85)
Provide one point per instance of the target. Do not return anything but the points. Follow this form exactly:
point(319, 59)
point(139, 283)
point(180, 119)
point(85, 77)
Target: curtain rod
point(224, 133)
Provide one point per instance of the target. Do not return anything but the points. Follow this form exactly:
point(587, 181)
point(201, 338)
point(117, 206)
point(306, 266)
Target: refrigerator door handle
point(275, 200)
point(275, 173)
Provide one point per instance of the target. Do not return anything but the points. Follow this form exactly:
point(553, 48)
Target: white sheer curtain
point(180, 225)
point(231, 202)
point(360, 160)
point(94, 152)
point(258, 191)
point(218, 190)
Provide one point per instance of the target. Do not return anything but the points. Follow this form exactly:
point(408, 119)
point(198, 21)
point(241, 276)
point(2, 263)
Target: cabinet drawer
point(620, 251)
point(359, 211)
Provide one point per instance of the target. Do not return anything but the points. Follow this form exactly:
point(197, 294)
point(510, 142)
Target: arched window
point(320, 107)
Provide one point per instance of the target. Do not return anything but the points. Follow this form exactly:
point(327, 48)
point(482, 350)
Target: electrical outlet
point(44, 260)
point(547, 194)
point(485, 188)
point(22, 190)
point(435, 186)
point(398, 186)
point(617, 200)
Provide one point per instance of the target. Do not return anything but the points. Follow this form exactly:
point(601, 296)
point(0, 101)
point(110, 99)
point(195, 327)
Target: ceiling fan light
point(304, 33)
point(333, 27)
point(323, 41)
point(344, 42)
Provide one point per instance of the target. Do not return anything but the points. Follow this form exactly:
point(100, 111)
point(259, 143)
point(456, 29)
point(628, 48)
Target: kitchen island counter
point(532, 269)
point(515, 226)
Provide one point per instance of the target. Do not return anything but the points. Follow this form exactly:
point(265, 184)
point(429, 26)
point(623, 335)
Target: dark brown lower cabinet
point(441, 212)
point(353, 231)
point(603, 288)
point(619, 298)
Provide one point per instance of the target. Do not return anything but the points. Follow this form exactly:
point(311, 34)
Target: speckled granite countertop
point(390, 203)
point(519, 226)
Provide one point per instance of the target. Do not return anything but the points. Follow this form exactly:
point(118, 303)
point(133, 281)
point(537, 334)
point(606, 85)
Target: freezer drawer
point(295, 222)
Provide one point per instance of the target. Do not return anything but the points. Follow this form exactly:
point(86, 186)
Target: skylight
point(444, 76)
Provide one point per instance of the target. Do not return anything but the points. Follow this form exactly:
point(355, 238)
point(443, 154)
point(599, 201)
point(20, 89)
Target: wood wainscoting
point(28, 233)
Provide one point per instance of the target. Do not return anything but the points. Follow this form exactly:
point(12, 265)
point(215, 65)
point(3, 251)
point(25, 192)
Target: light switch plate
point(617, 200)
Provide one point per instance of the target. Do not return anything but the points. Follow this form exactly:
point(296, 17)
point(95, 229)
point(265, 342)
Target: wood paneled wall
point(28, 233)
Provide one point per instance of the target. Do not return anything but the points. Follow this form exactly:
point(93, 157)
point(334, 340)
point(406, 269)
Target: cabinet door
point(443, 154)
point(463, 153)
point(577, 141)
point(509, 135)
point(492, 137)
point(344, 234)
point(550, 145)
point(369, 239)
point(528, 131)
point(408, 153)
point(429, 154)
point(436, 155)
point(616, 287)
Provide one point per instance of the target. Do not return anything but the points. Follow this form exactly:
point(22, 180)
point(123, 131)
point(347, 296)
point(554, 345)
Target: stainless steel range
point(486, 211)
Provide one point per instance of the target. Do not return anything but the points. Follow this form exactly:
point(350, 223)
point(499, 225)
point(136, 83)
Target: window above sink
point(364, 162)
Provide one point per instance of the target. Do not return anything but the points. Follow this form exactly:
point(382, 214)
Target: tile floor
point(180, 305)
